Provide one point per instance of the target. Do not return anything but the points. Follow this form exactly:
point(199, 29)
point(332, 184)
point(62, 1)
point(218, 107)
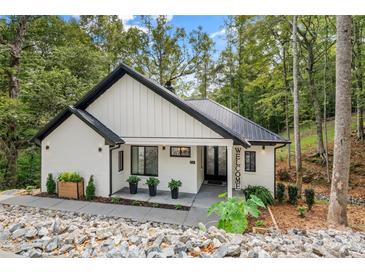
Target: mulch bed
point(121, 201)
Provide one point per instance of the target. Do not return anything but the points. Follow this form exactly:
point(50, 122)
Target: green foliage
point(90, 189)
point(51, 184)
point(28, 168)
point(234, 211)
point(133, 179)
point(283, 175)
point(152, 181)
point(280, 192)
point(115, 200)
point(29, 189)
point(261, 192)
point(302, 211)
point(293, 194)
point(309, 197)
point(72, 177)
point(178, 207)
point(174, 184)
point(136, 203)
point(155, 205)
point(259, 223)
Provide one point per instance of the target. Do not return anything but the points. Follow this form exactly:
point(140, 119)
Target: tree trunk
point(359, 79)
point(298, 157)
point(337, 211)
point(286, 84)
point(315, 102)
point(15, 54)
point(325, 106)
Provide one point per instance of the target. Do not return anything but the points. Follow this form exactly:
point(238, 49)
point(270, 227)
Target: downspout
point(275, 167)
point(111, 169)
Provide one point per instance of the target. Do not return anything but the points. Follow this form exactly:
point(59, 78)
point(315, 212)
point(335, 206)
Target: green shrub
point(90, 189)
point(280, 192)
point(133, 179)
point(309, 197)
point(73, 177)
point(293, 194)
point(174, 184)
point(234, 211)
point(29, 189)
point(259, 223)
point(28, 168)
point(136, 203)
point(283, 175)
point(115, 200)
point(178, 207)
point(302, 210)
point(51, 184)
point(261, 192)
point(152, 181)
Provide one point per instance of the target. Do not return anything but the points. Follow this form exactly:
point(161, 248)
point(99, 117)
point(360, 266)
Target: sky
point(212, 24)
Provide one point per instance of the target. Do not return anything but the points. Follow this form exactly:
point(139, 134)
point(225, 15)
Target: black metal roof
point(110, 137)
point(242, 126)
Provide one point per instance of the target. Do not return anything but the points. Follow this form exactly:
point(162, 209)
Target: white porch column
point(229, 170)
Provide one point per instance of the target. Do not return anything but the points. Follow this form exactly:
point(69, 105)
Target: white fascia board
point(178, 141)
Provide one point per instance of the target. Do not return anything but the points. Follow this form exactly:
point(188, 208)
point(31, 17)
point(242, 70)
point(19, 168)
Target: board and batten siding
point(74, 147)
point(131, 109)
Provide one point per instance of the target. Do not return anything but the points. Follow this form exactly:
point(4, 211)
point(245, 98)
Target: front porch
point(207, 195)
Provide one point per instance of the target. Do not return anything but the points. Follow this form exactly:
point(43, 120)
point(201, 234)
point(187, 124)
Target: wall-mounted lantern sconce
point(263, 147)
point(163, 147)
point(100, 149)
point(47, 147)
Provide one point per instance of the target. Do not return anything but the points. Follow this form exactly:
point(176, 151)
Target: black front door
point(215, 167)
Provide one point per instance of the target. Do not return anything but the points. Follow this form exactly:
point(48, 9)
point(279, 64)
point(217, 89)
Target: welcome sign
point(237, 169)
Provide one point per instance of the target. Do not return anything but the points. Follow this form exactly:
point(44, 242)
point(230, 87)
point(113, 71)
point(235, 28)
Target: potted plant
point(133, 183)
point(152, 183)
point(174, 187)
point(70, 185)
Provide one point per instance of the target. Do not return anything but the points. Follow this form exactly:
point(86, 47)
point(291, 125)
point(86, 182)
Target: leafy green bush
point(280, 192)
point(283, 175)
point(309, 197)
point(133, 179)
point(261, 192)
point(152, 181)
point(234, 211)
point(259, 223)
point(174, 184)
point(28, 168)
point(302, 210)
point(115, 200)
point(73, 177)
point(51, 184)
point(29, 189)
point(293, 194)
point(90, 189)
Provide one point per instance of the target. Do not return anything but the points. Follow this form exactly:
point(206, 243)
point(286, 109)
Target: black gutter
point(275, 167)
point(111, 169)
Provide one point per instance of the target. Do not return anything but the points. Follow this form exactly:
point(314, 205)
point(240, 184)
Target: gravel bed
point(34, 232)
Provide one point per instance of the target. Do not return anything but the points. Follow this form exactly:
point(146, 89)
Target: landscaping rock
point(52, 245)
point(19, 233)
point(31, 233)
point(43, 232)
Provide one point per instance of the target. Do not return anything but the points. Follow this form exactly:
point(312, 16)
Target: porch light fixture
point(163, 147)
point(47, 147)
point(100, 149)
point(263, 147)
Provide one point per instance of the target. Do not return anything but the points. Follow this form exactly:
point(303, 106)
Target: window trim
point(250, 153)
point(120, 160)
point(180, 156)
point(144, 164)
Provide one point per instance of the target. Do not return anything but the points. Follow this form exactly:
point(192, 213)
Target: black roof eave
point(61, 117)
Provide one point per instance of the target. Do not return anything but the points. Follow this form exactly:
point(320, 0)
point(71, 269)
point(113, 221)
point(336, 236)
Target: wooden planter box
point(71, 190)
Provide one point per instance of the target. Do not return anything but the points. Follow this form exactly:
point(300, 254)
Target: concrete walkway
point(143, 214)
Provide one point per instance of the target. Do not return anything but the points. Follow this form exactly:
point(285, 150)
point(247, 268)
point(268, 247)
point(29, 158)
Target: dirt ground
point(314, 170)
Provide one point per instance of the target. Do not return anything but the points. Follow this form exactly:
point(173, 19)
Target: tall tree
point(337, 211)
point(298, 157)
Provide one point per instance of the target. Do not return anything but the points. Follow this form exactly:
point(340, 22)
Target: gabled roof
point(110, 137)
point(253, 132)
point(123, 69)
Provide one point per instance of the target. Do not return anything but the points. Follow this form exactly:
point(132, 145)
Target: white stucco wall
point(73, 146)
point(168, 168)
point(265, 161)
point(131, 109)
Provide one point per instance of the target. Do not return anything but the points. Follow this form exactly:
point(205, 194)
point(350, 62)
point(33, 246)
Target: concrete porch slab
point(142, 195)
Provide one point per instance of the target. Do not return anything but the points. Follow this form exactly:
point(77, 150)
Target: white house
point(129, 124)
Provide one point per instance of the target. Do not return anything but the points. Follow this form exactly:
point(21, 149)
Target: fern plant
point(234, 211)
point(261, 192)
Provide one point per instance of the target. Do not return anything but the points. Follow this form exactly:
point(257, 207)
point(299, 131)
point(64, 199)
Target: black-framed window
point(144, 160)
point(180, 151)
point(120, 160)
point(250, 161)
